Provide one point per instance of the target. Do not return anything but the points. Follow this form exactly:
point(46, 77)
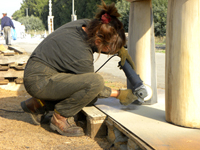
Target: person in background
point(59, 74)
point(6, 24)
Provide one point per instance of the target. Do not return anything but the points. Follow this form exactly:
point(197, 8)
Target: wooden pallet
point(5, 81)
point(16, 66)
point(8, 53)
point(12, 72)
point(12, 64)
point(17, 49)
point(11, 50)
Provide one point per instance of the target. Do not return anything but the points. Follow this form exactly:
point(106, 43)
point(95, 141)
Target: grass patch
point(160, 43)
point(160, 40)
point(160, 51)
point(115, 85)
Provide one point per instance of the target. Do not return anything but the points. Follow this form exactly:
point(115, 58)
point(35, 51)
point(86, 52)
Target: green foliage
point(160, 17)
point(35, 7)
point(32, 23)
point(17, 14)
point(62, 10)
point(123, 8)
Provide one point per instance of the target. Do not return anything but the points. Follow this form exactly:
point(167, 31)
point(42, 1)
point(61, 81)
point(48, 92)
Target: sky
point(9, 6)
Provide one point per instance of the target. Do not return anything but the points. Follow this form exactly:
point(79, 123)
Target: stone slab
point(149, 125)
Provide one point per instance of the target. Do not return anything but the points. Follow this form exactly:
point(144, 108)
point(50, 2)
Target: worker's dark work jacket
point(67, 49)
point(6, 21)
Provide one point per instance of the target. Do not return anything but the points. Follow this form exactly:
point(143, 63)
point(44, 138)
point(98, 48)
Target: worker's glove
point(126, 97)
point(123, 54)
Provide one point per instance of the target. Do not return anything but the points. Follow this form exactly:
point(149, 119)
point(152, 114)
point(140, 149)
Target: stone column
point(141, 44)
point(182, 74)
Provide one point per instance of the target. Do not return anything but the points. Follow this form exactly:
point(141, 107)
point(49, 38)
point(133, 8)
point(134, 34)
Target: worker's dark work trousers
point(69, 92)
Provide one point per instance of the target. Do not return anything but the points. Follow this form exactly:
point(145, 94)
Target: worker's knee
point(97, 83)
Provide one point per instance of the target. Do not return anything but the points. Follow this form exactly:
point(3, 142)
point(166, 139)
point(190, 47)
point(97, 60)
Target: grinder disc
point(149, 91)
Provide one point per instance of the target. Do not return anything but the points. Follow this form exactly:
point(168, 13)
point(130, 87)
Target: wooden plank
point(19, 81)
point(20, 67)
point(2, 48)
point(3, 81)
point(18, 59)
point(4, 68)
point(17, 49)
point(12, 73)
point(95, 121)
point(8, 53)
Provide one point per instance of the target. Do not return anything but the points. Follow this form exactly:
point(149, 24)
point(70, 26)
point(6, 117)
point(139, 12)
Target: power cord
point(106, 62)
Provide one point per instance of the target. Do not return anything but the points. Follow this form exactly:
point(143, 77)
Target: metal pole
point(26, 12)
point(73, 16)
point(73, 7)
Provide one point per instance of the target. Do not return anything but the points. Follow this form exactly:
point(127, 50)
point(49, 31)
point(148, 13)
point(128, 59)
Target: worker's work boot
point(65, 126)
point(36, 108)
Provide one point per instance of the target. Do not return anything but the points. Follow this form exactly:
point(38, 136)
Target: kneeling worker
point(59, 74)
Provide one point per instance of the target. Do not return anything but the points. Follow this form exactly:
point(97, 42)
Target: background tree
point(18, 14)
point(32, 23)
point(123, 8)
point(62, 10)
point(160, 17)
point(35, 7)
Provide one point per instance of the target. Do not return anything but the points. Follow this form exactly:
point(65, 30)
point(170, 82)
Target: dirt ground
point(17, 131)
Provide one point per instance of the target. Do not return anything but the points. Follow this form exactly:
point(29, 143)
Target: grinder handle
point(131, 75)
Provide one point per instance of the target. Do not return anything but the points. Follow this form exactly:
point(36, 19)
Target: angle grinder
point(142, 91)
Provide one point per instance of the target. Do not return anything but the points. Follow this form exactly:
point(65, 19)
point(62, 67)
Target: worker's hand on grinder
point(123, 54)
point(126, 97)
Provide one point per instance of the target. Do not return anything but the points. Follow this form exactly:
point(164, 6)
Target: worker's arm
point(114, 93)
point(125, 96)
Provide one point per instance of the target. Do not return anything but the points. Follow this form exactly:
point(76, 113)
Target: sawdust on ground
point(17, 131)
